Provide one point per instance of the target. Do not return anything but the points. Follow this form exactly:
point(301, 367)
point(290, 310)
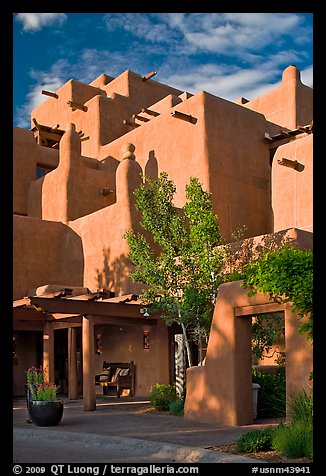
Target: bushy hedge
point(164, 397)
point(256, 440)
point(271, 400)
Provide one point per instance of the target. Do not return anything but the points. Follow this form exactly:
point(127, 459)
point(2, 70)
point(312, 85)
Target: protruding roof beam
point(129, 123)
point(76, 105)
point(140, 118)
point(288, 134)
point(149, 111)
point(184, 117)
point(149, 75)
point(48, 93)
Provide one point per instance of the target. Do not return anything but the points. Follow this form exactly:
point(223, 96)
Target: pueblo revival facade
point(75, 171)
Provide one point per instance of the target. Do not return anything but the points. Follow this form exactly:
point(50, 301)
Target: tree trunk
point(200, 349)
point(187, 344)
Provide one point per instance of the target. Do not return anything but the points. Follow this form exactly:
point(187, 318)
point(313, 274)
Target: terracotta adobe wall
point(212, 143)
point(221, 390)
point(290, 104)
point(292, 189)
point(239, 166)
point(27, 155)
point(224, 147)
point(72, 189)
point(44, 252)
point(236, 171)
point(28, 191)
point(122, 343)
point(107, 107)
point(105, 251)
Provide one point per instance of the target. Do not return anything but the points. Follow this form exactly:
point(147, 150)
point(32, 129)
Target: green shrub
point(300, 407)
point(256, 440)
point(162, 395)
point(271, 400)
point(176, 407)
point(295, 440)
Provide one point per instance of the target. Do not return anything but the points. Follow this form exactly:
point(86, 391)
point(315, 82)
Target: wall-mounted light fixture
point(106, 191)
point(98, 344)
point(14, 346)
point(146, 340)
point(145, 312)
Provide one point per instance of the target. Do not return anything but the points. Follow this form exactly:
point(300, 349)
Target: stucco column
point(299, 354)
point(72, 365)
point(89, 390)
point(48, 350)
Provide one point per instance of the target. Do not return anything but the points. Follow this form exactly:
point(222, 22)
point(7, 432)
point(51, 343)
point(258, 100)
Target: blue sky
point(226, 54)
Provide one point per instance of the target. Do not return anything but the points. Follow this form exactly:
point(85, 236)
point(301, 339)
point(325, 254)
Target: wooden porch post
point(89, 390)
point(48, 350)
point(72, 365)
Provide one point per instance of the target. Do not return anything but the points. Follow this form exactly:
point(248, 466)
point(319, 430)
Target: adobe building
point(74, 175)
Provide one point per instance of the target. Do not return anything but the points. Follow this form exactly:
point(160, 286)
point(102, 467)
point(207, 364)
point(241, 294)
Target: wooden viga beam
point(76, 105)
point(36, 124)
point(184, 117)
point(82, 136)
point(292, 164)
point(149, 111)
point(129, 123)
point(140, 118)
point(149, 75)
point(48, 93)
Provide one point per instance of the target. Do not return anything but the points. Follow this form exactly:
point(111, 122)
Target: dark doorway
point(61, 360)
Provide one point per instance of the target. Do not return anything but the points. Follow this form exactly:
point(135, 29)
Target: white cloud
point(168, 43)
point(34, 98)
point(232, 81)
point(140, 25)
point(307, 77)
point(236, 32)
point(61, 71)
point(36, 21)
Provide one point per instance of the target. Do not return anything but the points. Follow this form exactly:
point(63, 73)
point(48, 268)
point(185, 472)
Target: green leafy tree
point(268, 332)
point(286, 275)
point(177, 257)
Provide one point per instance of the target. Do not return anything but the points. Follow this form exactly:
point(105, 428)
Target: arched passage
point(221, 390)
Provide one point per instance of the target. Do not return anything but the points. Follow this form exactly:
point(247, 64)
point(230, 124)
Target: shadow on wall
point(114, 274)
point(241, 252)
point(72, 259)
point(151, 167)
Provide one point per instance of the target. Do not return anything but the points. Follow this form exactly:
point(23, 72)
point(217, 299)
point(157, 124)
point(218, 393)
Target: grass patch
point(295, 440)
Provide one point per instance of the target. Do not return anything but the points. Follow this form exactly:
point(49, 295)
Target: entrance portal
point(221, 390)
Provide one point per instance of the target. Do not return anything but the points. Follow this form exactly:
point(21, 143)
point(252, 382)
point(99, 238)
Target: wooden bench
point(117, 375)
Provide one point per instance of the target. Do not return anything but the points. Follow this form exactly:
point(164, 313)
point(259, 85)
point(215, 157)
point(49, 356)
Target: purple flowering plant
point(38, 385)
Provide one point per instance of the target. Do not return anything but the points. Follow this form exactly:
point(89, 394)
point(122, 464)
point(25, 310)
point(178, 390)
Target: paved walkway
point(122, 431)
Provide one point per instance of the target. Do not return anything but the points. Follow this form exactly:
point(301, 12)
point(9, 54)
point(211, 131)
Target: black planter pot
point(46, 413)
point(28, 397)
